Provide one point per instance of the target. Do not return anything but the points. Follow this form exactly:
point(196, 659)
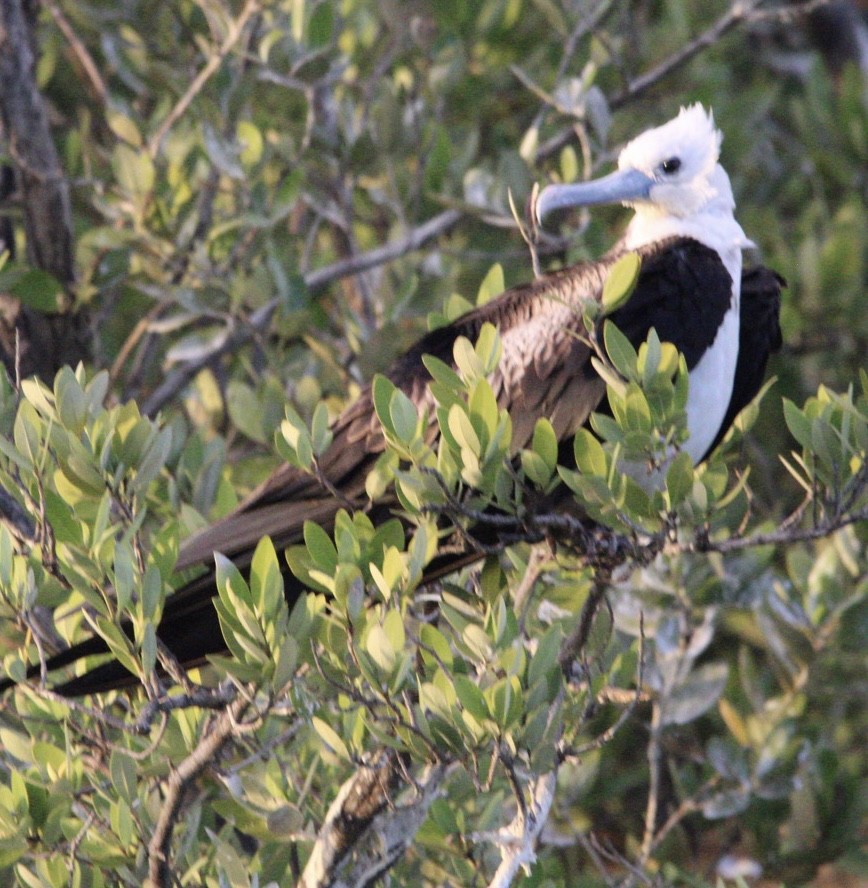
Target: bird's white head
point(678, 163)
point(671, 177)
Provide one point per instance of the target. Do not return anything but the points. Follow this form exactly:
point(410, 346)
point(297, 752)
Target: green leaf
point(134, 170)
point(123, 775)
point(568, 164)
point(798, 424)
point(404, 417)
point(504, 701)
point(433, 639)
point(266, 583)
point(589, 454)
point(726, 804)
point(621, 353)
point(535, 467)
point(637, 410)
point(393, 626)
point(250, 141)
point(443, 374)
point(545, 659)
point(489, 347)
point(380, 649)
point(462, 430)
point(679, 478)
point(321, 25)
point(320, 433)
point(153, 460)
point(483, 406)
point(39, 290)
point(293, 441)
point(620, 282)
point(492, 285)
point(545, 442)
point(648, 361)
point(124, 574)
point(696, 695)
point(124, 128)
point(382, 390)
point(331, 738)
point(470, 697)
point(321, 548)
point(466, 359)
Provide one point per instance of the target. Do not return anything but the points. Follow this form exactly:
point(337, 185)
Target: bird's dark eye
point(671, 166)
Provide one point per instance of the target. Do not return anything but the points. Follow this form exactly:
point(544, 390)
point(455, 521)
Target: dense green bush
point(627, 718)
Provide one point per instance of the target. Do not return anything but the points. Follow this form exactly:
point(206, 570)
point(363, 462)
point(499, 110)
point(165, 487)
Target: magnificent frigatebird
point(690, 288)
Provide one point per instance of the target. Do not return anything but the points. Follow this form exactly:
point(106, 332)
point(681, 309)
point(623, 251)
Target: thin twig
point(609, 733)
point(654, 757)
point(414, 239)
point(79, 50)
point(735, 15)
point(233, 35)
point(820, 530)
point(181, 376)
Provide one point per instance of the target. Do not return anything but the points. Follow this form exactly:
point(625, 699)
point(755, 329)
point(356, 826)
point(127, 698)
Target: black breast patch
point(683, 292)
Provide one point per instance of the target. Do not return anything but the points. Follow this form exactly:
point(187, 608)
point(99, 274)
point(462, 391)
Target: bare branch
point(395, 830)
point(357, 803)
point(414, 239)
point(735, 15)
point(782, 536)
point(47, 213)
point(79, 50)
point(221, 729)
point(654, 767)
point(259, 320)
point(204, 698)
point(575, 642)
point(518, 841)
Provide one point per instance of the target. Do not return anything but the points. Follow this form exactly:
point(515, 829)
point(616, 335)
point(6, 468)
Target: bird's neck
point(714, 227)
point(710, 220)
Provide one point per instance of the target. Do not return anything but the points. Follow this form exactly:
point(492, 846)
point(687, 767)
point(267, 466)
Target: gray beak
point(624, 185)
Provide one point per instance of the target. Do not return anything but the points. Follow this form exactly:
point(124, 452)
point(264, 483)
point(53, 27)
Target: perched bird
point(691, 289)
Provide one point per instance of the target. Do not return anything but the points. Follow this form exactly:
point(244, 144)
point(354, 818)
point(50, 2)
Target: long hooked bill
point(623, 185)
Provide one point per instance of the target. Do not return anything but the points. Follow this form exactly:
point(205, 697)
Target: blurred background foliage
point(211, 219)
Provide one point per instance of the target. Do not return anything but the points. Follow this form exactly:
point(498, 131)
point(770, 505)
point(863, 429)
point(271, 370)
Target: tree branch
point(222, 729)
point(47, 213)
point(414, 239)
point(357, 803)
point(518, 841)
point(79, 50)
point(259, 320)
point(395, 830)
point(34, 341)
point(233, 35)
point(735, 15)
point(701, 543)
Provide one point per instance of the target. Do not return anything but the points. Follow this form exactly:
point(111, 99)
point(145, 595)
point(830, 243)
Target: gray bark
point(44, 341)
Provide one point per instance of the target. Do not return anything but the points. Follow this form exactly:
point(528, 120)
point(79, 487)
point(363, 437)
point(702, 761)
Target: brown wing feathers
point(545, 371)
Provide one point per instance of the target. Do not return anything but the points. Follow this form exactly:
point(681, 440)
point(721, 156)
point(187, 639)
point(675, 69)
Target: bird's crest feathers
point(691, 138)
